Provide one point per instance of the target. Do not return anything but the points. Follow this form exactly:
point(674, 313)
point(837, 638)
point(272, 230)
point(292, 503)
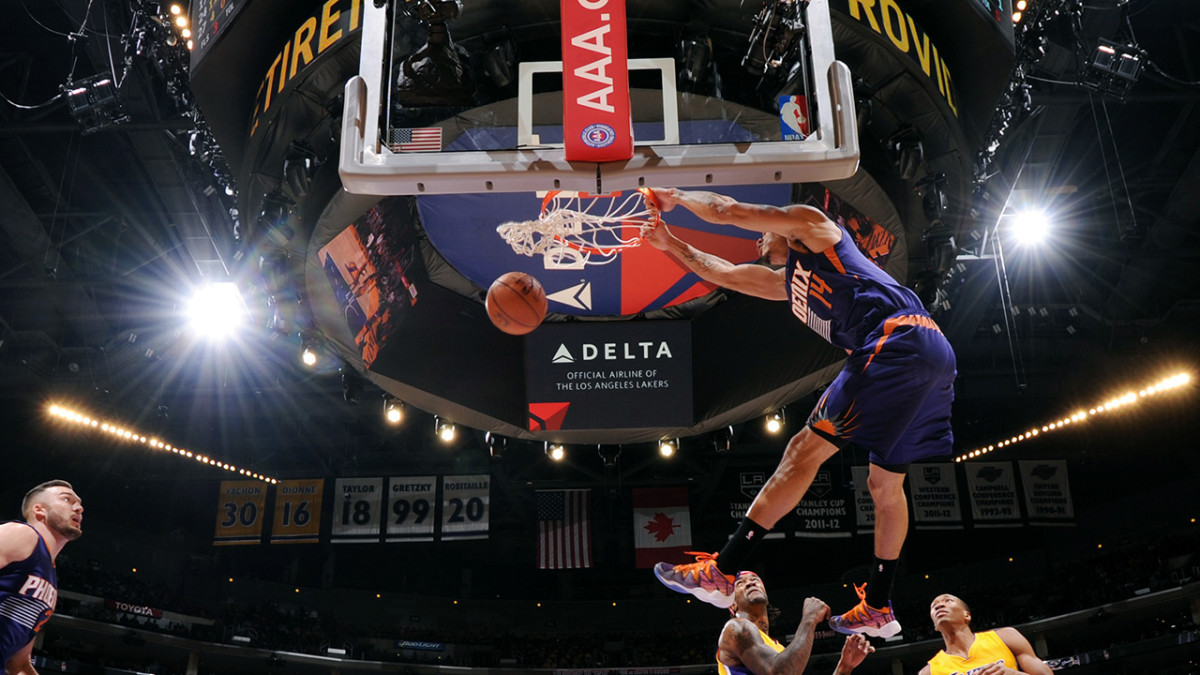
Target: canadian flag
point(662, 526)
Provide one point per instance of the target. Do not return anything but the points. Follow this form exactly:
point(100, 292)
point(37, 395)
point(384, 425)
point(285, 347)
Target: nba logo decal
point(793, 118)
point(598, 135)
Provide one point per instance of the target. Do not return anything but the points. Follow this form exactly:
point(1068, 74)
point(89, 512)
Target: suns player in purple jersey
point(746, 647)
point(28, 585)
point(891, 398)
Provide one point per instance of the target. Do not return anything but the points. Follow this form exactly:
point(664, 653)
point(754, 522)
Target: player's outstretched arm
point(797, 222)
point(1027, 660)
point(20, 663)
point(740, 644)
point(854, 651)
point(757, 280)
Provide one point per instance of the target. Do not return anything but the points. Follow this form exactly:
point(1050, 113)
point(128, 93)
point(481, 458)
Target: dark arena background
point(248, 512)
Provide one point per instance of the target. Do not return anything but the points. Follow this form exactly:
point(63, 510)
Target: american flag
point(564, 530)
point(414, 140)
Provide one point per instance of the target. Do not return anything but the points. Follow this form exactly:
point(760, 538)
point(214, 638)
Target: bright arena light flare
point(1111, 405)
point(1029, 227)
point(217, 310)
point(115, 430)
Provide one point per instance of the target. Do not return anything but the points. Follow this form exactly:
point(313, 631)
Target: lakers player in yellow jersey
point(745, 648)
point(991, 652)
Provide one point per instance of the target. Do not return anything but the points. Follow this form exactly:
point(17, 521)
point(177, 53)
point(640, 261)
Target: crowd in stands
point(1108, 575)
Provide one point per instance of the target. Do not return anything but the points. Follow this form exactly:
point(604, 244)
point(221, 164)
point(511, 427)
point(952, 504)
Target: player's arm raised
point(798, 222)
point(757, 280)
point(741, 644)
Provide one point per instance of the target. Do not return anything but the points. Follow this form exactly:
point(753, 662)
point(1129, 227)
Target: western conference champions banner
point(824, 511)
point(1047, 492)
point(240, 512)
point(864, 505)
point(935, 499)
point(992, 489)
point(411, 502)
point(465, 506)
point(357, 510)
point(297, 511)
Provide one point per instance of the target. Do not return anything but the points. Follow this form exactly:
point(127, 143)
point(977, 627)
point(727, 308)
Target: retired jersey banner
point(662, 525)
point(824, 511)
point(297, 512)
point(357, 510)
point(935, 500)
point(465, 501)
point(1047, 492)
point(240, 507)
point(742, 494)
point(411, 501)
point(864, 504)
point(992, 489)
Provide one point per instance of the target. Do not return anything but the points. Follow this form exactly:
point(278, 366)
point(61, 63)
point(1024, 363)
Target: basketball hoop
point(595, 227)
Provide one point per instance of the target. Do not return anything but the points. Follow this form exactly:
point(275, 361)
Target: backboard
point(442, 105)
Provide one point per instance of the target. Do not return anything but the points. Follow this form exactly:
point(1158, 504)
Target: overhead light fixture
point(1029, 227)
point(1114, 68)
point(437, 73)
point(722, 439)
point(94, 103)
point(393, 409)
point(496, 445)
point(696, 74)
point(668, 446)
point(217, 310)
point(556, 451)
point(310, 349)
point(609, 454)
point(300, 163)
point(308, 357)
point(445, 429)
point(774, 421)
point(352, 384)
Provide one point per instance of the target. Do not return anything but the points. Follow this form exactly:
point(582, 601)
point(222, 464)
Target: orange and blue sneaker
point(866, 619)
point(701, 578)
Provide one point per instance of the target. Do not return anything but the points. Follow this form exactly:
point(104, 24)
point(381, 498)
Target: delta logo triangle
point(563, 355)
point(547, 416)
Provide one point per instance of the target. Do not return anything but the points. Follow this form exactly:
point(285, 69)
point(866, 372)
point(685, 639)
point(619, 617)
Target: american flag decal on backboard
point(416, 140)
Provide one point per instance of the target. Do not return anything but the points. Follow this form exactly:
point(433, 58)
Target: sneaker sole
point(887, 630)
point(713, 597)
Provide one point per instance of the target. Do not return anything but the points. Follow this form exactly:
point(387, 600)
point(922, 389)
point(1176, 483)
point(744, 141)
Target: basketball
point(516, 303)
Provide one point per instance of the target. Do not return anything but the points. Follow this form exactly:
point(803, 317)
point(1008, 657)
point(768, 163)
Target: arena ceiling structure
point(134, 170)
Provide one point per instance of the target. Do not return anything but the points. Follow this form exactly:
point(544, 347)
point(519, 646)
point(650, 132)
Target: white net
point(590, 228)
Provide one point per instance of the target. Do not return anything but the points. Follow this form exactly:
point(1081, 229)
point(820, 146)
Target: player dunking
point(28, 586)
point(891, 398)
point(746, 648)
